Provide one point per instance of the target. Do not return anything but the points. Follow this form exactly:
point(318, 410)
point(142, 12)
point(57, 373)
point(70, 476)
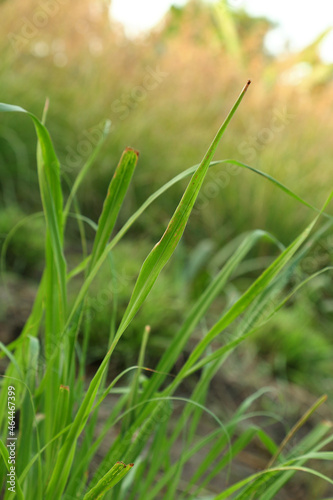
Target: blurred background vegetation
point(166, 93)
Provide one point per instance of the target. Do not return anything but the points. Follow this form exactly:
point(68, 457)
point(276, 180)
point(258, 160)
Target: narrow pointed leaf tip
point(163, 250)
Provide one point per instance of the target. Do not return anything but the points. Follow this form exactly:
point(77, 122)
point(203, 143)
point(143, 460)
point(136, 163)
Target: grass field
point(165, 334)
point(45, 376)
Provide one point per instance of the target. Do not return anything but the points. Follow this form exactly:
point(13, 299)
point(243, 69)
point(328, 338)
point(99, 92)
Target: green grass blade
point(113, 201)
point(111, 478)
point(56, 298)
point(163, 250)
point(49, 178)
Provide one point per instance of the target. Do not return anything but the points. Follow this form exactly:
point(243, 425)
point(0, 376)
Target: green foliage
point(270, 139)
point(59, 437)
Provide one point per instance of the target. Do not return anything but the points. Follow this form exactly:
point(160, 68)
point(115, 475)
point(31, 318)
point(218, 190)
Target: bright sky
point(299, 22)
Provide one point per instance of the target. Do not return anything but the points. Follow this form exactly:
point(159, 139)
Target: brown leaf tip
point(132, 149)
point(246, 86)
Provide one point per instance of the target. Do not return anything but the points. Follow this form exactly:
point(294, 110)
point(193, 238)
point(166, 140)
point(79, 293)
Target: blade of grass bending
point(168, 476)
point(191, 415)
point(195, 415)
point(51, 195)
point(49, 178)
point(298, 287)
point(279, 184)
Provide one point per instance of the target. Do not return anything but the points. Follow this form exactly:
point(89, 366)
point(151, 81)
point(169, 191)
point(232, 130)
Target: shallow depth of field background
point(166, 93)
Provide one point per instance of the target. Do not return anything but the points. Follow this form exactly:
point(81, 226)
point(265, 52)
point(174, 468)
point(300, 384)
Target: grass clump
point(59, 437)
